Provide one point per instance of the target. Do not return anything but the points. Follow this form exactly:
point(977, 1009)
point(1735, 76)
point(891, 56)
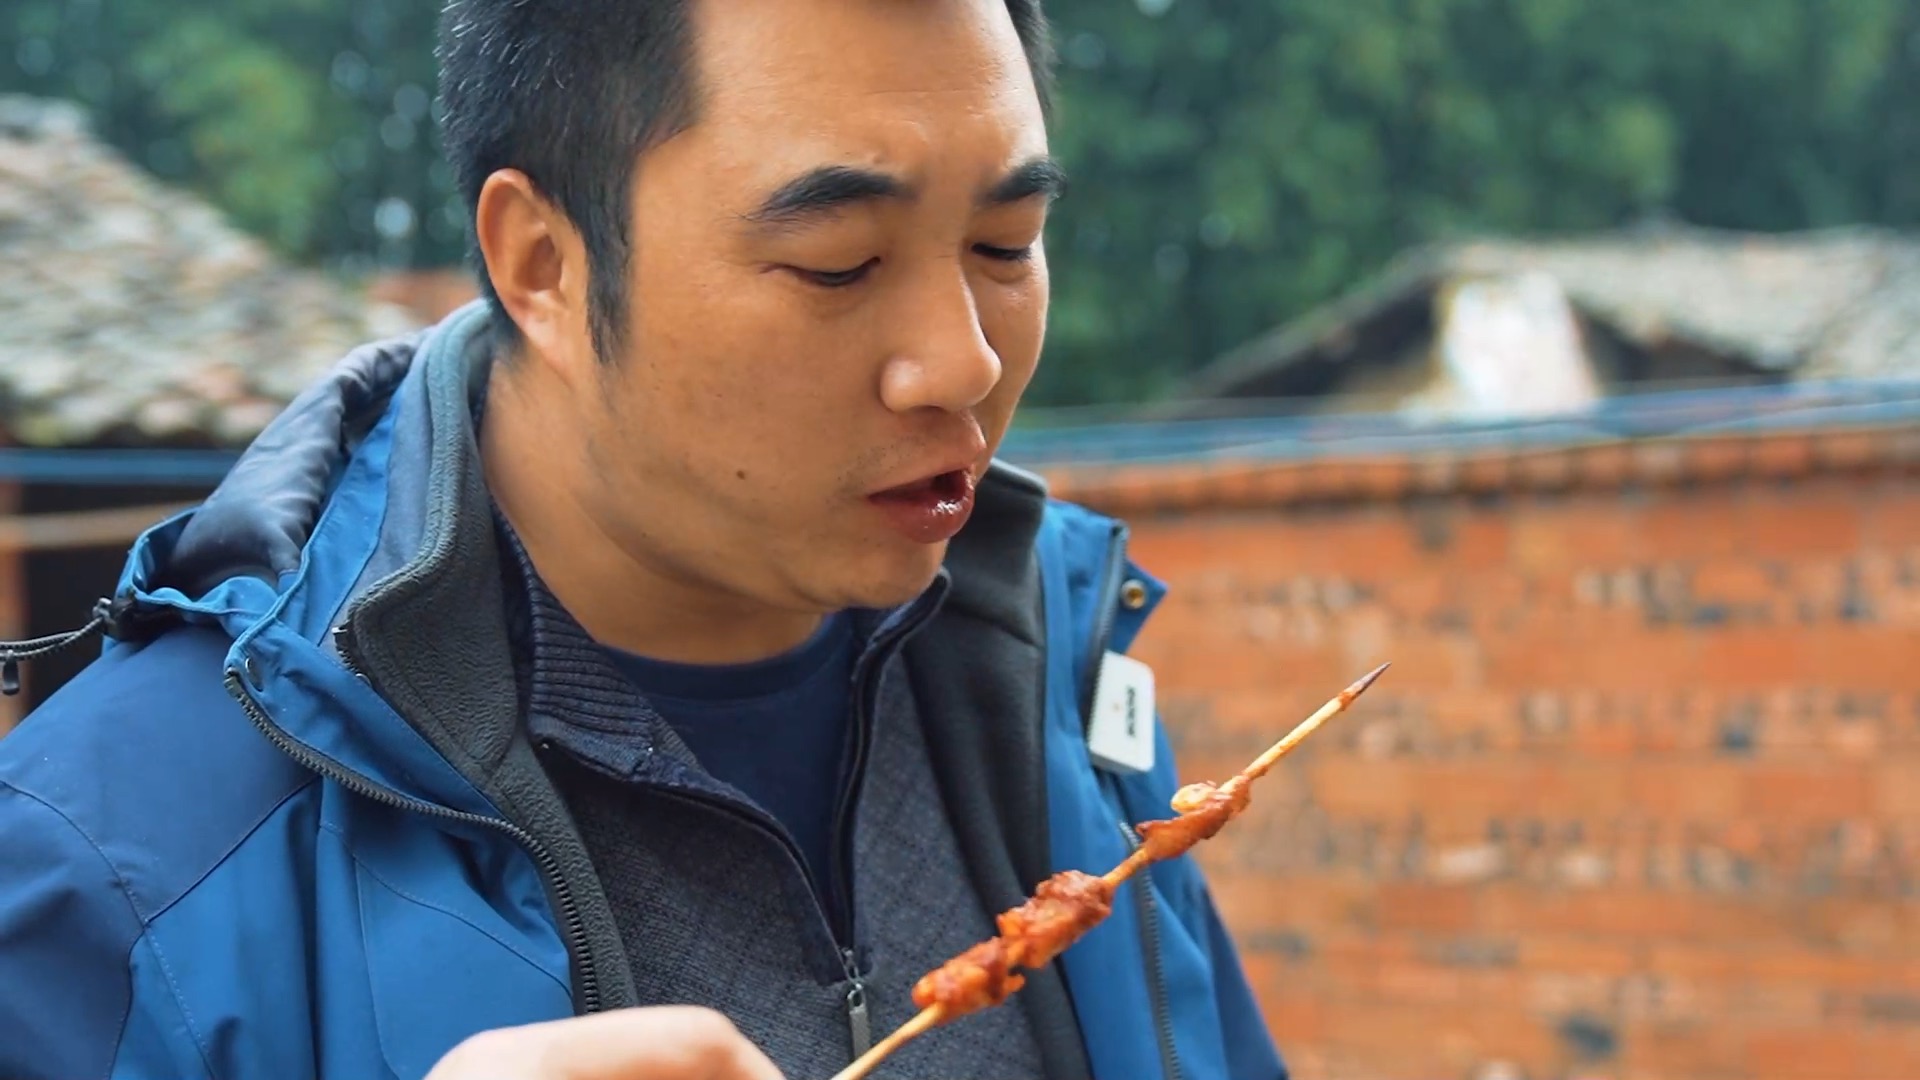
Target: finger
point(655, 1043)
point(678, 1043)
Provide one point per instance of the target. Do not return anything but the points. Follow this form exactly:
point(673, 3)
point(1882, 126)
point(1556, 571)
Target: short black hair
point(571, 92)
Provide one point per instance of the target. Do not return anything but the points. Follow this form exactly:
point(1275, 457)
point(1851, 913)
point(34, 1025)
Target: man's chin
point(899, 578)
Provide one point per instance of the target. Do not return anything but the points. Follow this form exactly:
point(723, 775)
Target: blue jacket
point(247, 842)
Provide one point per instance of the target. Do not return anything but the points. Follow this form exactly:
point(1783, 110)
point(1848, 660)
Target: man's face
point(838, 295)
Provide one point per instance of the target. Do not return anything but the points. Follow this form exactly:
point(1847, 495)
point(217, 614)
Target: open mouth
point(928, 511)
point(953, 486)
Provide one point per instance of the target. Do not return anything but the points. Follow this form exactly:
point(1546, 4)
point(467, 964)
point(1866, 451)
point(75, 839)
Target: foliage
point(307, 121)
point(1234, 161)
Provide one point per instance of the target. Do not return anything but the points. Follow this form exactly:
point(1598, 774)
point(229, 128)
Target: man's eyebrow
point(1041, 176)
point(823, 191)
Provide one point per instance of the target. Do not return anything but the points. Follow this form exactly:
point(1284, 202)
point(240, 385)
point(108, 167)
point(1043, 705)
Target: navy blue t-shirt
point(775, 729)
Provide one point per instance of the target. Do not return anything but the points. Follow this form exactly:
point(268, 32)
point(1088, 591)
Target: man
point(656, 632)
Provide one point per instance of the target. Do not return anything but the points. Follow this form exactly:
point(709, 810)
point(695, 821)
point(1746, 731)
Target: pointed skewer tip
point(1360, 686)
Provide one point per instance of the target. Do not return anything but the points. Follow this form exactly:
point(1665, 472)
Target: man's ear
point(538, 265)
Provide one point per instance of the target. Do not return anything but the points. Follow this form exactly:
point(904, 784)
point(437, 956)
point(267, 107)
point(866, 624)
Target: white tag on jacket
point(1120, 735)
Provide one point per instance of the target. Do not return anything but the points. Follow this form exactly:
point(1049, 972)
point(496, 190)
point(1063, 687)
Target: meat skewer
point(1070, 903)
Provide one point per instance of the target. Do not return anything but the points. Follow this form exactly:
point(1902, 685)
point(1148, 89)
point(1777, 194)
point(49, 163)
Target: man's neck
point(620, 598)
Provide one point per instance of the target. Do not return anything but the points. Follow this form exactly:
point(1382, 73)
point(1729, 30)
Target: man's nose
point(943, 360)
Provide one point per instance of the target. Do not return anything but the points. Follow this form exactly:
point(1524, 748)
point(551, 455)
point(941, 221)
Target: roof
point(1651, 440)
point(1068, 439)
point(132, 314)
point(1828, 304)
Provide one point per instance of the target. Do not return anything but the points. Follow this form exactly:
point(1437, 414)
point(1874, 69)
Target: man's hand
point(657, 1043)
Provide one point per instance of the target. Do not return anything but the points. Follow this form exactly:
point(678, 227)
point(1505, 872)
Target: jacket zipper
point(865, 689)
point(1156, 978)
point(859, 1025)
point(1149, 913)
point(575, 927)
point(859, 1022)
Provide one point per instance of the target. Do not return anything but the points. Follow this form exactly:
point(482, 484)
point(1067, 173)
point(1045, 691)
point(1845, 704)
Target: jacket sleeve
point(66, 932)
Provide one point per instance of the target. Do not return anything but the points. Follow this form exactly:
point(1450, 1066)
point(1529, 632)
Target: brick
point(1629, 914)
point(1849, 450)
point(1660, 462)
point(1605, 467)
point(1319, 905)
point(1359, 788)
point(1292, 1017)
point(1865, 658)
point(1674, 527)
point(1431, 908)
point(1234, 484)
point(1749, 656)
point(1830, 1054)
point(1384, 479)
point(1859, 925)
point(1715, 1050)
point(1481, 541)
point(1416, 596)
point(1576, 533)
point(1439, 1040)
point(1177, 486)
point(1807, 791)
point(1437, 474)
point(1782, 456)
point(1552, 471)
point(1326, 481)
point(1486, 473)
point(1279, 485)
point(1693, 961)
point(1718, 458)
point(1563, 659)
point(1583, 955)
point(1419, 984)
point(1894, 791)
point(1733, 581)
point(1419, 663)
point(1858, 972)
point(1822, 520)
point(1892, 514)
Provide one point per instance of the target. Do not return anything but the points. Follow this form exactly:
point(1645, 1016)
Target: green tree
point(307, 121)
point(1236, 163)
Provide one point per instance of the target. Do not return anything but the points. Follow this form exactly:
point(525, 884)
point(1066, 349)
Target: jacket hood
point(258, 520)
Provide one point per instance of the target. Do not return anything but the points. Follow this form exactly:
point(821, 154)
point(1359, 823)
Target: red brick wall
point(1640, 797)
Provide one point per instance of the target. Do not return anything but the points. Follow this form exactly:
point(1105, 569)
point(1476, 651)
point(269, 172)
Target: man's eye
point(836, 279)
point(1005, 254)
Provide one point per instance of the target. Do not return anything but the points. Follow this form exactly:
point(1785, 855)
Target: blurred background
point(1565, 353)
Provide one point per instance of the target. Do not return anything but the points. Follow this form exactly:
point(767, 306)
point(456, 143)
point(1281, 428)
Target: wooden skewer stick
point(931, 1017)
point(926, 1020)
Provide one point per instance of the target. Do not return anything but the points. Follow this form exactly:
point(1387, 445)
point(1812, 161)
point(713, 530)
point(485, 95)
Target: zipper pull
point(857, 1019)
point(858, 1024)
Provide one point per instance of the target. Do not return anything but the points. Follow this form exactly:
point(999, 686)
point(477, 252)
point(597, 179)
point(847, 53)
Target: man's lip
point(927, 479)
point(928, 511)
